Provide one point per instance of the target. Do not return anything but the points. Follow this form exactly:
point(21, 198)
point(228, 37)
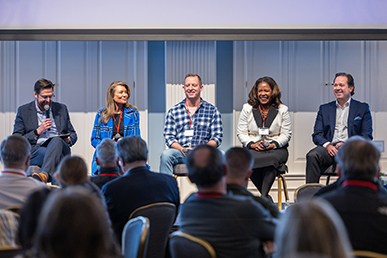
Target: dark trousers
point(263, 179)
point(317, 160)
point(48, 158)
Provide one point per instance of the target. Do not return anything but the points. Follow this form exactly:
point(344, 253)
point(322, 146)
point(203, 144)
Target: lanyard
point(263, 117)
point(108, 174)
point(189, 114)
point(359, 183)
point(209, 195)
point(119, 122)
point(13, 172)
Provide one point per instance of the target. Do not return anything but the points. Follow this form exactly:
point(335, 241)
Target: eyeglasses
point(48, 96)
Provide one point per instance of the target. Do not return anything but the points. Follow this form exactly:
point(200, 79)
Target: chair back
point(367, 254)
point(185, 245)
point(135, 237)
point(8, 228)
point(161, 216)
point(306, 192)
point(9, 251)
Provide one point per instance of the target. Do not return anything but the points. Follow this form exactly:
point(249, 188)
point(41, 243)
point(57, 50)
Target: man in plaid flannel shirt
point(188, 124)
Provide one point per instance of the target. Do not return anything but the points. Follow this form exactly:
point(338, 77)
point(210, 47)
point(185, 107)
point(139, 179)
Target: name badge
point(189, 133)
point(263, 131)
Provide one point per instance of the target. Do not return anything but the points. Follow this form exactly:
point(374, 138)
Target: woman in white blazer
point(264, 127)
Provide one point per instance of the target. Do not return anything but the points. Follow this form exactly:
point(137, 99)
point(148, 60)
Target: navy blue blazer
point(134, 189)
point(359, 122)
point(26, 121)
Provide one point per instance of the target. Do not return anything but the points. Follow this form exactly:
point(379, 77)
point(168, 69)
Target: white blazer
point(280, 130)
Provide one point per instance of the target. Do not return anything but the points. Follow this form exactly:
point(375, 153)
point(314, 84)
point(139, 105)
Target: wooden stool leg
point(279, 192)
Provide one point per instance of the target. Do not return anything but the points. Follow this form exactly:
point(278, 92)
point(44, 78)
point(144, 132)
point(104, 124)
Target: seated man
point(40, 120)
point(239, 162)
point(107, 161)
point(15, 186)
point(336, 121)
point(358, 200)
point(189, 123)
point(138, 186)
point(235, 226)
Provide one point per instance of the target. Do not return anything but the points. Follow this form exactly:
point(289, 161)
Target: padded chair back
point(135, 237)
point(8, 228)
point(9, 251)
point(306, 192)
point(161, 216)
point(187, 246)
point(368, 254)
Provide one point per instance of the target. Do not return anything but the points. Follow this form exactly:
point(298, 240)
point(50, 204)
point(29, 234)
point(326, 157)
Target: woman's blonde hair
point(108, 112)
point(312, 228)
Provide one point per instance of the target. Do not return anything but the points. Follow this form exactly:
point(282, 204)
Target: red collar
point(208, 195)
point(360, 183)
point(13, 172)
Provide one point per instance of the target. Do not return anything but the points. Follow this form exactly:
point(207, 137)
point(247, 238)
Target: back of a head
point(105, 151)
point(14, 151)
point(312, 228)
point(358, 159)
point(131, 149)
point(72, 170)
point(73, 224)
point(205, 165)
point(238, 161)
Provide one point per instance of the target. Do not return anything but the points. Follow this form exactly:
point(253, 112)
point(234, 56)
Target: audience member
point(310, 230)
point(138, 186)
point(30, 216)
point(239, 163)
point(15, 186)
point(235, 226)
point(189, 123)
point(72, 170)
point(73, 223)
point(41, 120)
point(358, 200)
point(107, 161)
point(336, 121)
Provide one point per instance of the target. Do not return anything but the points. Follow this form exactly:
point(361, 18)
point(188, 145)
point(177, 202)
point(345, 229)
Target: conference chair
point(367, 254)
point(8, 228)
point(161, 216)
point(135, 238)
point(180, 170)
point(329, 171)
point(306, 192)
point(185, 245)
point(281, 170)
point(9, 251)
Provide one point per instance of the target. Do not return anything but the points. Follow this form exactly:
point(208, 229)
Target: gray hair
point(105, 151)
point(358, 159)
point(312, 228)
point(131, 149)
point(14, 151)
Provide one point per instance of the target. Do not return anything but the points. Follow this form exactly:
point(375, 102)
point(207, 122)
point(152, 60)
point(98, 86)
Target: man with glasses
point(336, 121)
point(40, 122)
point(188, 124)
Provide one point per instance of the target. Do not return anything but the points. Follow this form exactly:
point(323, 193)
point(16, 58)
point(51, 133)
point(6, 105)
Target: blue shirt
point(206, 123)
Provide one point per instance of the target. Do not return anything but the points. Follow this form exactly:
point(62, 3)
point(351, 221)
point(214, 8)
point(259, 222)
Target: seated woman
point(118, 119)
point(73, 223)
point(311, 230)
point(264, 127)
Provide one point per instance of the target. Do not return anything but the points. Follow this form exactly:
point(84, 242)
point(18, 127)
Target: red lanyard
point(359, 183)
point(119, 122)
point(13, 172)
point(189, 114)
point(263, 117)
point(108, 174)
point(209, 195)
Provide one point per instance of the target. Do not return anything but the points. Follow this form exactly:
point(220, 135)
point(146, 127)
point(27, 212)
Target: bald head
point(205, 166)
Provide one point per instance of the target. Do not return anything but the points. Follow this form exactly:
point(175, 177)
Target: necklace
point(117, 126)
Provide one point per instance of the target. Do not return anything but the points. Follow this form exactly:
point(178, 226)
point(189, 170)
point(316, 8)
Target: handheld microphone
point(266, 144)
point(47, 110)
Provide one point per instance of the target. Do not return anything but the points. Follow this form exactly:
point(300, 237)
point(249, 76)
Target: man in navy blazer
point(336, 121)
point(40, 120)
point(138, 186)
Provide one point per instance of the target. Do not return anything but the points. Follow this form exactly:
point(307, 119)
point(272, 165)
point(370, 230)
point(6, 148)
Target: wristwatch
point(36, 133)
point(184, 150)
